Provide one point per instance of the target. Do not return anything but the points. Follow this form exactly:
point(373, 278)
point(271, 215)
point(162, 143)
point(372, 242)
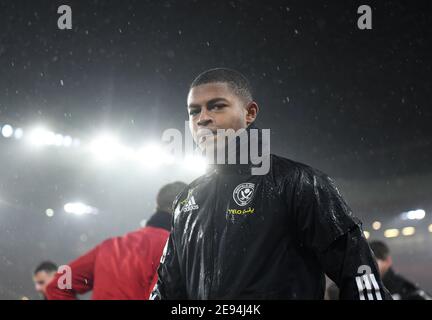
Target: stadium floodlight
point(376, 225)
point(49, 138)
point(49, 212)
point(67, 141)
point(7, 131)
point(408, 231)
point(418, 214)
point(58, 140)
point(79, 208)
point(19, 133)
point(391, 233)
point(41, 136)
point(126, 152)
point(105, 147)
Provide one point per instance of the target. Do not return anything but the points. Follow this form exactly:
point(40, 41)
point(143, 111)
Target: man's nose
point(204, 118)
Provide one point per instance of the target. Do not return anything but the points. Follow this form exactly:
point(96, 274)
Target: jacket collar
point(160, 219)
point(238, 167)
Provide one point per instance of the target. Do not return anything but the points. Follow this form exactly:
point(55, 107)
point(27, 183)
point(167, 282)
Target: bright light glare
point(76, 142)
point(366, 234)
point(376, 225)
point(195, 163)
point(408, 231)
point(415, 214)
point(105, 148)
point(49, 212)
point(67, 141)
point(58, 140)
point(7, 131)
point(79, 208)
point(41, 136)
point(152, 156)
point(127, 152)
point(18, 133)
point(391, 233)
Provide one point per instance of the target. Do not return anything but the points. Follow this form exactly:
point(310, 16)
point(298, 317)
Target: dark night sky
point(327, 89)
point(355, 104)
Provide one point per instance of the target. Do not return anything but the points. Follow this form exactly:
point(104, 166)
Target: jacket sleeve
point(349, 262)
point(170, 284)
point(326, 226)
point(81, 276)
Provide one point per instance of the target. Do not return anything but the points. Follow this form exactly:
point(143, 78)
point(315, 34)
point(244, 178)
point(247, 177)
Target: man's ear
point(252, 110)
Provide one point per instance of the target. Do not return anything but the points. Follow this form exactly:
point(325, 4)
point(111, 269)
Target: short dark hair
point(46, 266)
point(168, 193)
point(237, 82)
point(380, 249)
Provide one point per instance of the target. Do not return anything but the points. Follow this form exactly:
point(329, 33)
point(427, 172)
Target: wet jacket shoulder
point(326, 225)
point(318, 209)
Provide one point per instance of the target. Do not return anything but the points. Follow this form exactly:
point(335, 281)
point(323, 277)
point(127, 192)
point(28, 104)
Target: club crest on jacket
point(243, 193)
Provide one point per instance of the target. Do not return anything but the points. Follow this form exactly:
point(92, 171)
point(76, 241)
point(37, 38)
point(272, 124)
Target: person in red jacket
point(122, 268)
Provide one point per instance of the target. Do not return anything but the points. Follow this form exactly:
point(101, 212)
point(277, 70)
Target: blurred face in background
point(384, 265)
point(41, 279)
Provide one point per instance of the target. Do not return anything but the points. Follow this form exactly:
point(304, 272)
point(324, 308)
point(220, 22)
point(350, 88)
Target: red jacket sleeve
point(82, 275)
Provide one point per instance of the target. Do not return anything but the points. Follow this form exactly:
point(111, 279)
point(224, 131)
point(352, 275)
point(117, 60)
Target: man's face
point(41, 280)
point(384, 265)
point(215, 106)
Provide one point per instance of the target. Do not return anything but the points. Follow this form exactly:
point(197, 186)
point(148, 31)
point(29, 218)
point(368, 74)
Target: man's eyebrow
point(210, 102)
point(215, 100)
point(193, 106)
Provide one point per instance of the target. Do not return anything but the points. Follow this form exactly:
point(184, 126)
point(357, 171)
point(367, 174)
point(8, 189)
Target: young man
point(242, 236)
point(123, 268)
point(399, 287)
point(43, 275)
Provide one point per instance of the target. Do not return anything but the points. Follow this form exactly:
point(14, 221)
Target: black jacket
point(240, 236)
point(402, 289)
point(160, 219)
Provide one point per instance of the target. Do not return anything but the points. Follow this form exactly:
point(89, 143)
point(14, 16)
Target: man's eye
point(193, 112)
point(218, 106)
